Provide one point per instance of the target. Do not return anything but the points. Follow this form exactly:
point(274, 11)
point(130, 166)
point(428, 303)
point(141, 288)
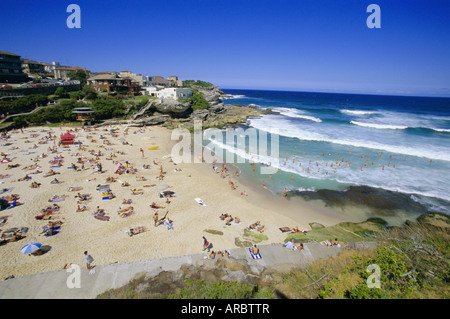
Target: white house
point(149, 90)
point(169, 93)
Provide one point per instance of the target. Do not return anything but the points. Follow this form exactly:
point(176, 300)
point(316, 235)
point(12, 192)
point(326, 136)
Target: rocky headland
point(180, 113)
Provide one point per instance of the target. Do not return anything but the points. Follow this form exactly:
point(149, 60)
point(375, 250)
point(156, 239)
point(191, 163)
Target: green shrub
point(200, 289)
point(198, 101)
point(108, 108)
point(204, 84)
point(23, 104)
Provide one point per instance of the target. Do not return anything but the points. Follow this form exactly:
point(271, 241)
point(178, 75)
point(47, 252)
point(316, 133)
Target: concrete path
point(54, 285)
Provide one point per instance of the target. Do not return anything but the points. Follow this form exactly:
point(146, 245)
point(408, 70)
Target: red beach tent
point(67, 138)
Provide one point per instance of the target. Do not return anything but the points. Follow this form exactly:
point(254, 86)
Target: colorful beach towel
point(107, 195)
point(56, 230)
point(55, 200)
point(257, 256)
point(100, 217)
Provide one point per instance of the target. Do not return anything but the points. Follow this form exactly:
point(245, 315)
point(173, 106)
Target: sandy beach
point(108, 241)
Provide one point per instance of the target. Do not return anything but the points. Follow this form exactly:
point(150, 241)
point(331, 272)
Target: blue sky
point(301, 45)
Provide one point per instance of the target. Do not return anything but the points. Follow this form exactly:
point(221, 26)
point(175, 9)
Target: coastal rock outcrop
point(174, 113)
point(375, 198)
point(172, 107)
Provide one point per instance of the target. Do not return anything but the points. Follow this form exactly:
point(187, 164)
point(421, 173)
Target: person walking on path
point(205, 243)
point(88, 258)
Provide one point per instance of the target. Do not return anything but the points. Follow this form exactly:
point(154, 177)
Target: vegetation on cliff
point(198, 101)
point(412, 262)
point(199, 83)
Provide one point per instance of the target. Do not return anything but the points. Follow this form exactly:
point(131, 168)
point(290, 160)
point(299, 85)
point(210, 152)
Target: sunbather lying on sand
point(50, 173)
point(35, 185)
point(297, 230)
point(154, 206)
point(25, 178)
point(52, 208)
point(30, 167)
point(228, 220)
point(126, 214)
point(54, 224)
point(74, 189)
point(126, 209)
point(254, 225)
point(135, 231)
point(81, 208)
point(99, 210)
point(135, 191)
point(257, 226)
point(55, 181)
point(83, 197)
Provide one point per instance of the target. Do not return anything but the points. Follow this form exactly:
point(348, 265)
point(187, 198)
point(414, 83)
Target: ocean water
point(332, 141)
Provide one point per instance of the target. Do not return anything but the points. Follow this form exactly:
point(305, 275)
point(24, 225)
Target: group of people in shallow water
point(333, 165)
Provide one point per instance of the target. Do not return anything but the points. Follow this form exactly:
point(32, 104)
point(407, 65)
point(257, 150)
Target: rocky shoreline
point(376, 198)
point(179, 114)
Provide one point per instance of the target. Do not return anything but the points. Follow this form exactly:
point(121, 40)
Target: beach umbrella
point(30, 248)
point(166, 193)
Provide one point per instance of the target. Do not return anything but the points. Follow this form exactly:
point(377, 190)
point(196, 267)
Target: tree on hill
point(89, 93)
point(108, 108)
point(198, 101)
point(200, 83)
point(61, 93)
point(79, 75)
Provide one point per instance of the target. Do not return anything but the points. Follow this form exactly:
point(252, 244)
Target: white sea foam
point(274, 124)
point(231, 96)
point(295, 113)
point(359, 112)
point(399, 127)
point(406, 181)
point(445, 130)
point(380, 126)
point(306, 189)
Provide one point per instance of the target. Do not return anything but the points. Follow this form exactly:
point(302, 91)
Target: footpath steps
point(59, 284)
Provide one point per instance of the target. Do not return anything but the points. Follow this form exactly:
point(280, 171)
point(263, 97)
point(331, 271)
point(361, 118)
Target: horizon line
point(330, 92)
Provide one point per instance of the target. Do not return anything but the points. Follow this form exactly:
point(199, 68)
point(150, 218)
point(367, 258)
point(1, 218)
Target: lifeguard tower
point(84, 114)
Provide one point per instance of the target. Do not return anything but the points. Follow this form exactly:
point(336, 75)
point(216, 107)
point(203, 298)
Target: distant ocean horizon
point(335, 140)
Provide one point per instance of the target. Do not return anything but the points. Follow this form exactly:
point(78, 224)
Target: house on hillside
point(160, 81)
point(175, 80)
point(171, 93)
point(108, 82)
point(33, 68)
point(62, 72)
point(11, 70)
point(142, 80)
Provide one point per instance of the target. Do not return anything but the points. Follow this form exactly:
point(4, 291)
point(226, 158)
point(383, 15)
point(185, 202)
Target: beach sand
point(107, 241)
